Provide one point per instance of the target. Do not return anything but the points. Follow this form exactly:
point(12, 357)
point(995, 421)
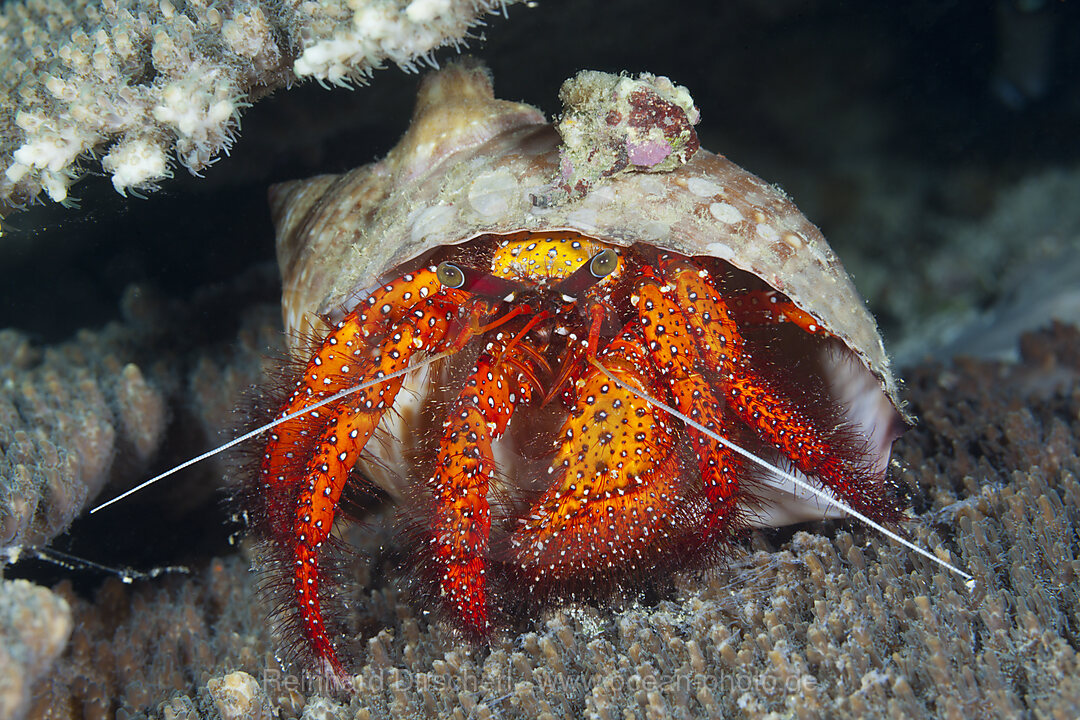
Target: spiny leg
point(336, 451)
point(332, 441)
point(672, 348)
point(815, 449)
point(616, 499)
point(459, 484)
point(335, 366)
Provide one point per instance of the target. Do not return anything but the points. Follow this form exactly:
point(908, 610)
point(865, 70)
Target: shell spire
point(456, 109)
point(318, 220)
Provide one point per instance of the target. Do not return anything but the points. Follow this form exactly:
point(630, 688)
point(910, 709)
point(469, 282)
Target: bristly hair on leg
point(272, 565)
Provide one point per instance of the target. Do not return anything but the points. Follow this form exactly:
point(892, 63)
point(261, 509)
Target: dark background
point(806, 94)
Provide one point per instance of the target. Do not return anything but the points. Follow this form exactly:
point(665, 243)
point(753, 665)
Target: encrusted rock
point(613, 124)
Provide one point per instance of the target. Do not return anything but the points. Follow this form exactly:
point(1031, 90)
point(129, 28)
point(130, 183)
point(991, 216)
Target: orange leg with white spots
point(337, 448)
point(463, 468)
point(671, 345)
point(814, 449)
point(616, 493)
point(768, 307)
point(339, 363)
point(308, 460)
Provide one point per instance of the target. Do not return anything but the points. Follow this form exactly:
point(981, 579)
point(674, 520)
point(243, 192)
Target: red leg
point(672, 348)
point(463, 469)
point(336, 450)
point(335, 366)
point(817, 450)
point(307, 462)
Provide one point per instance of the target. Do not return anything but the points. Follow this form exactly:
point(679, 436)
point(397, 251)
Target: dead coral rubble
point(34, 628)
point(133, 651)
point(135, 81)
point(828, 624)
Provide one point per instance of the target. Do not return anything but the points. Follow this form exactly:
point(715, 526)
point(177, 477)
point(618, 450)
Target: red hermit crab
point(610, 309)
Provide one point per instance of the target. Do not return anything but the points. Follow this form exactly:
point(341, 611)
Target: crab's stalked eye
point(450, 275)
point(599, 267)
point(472, 281)
point(603, 263)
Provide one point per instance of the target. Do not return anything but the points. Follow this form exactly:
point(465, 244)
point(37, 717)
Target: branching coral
point(135, 81)
point(95, 409)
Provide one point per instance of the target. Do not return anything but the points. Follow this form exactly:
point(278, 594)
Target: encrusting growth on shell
point(144, 84)
point(614, 124)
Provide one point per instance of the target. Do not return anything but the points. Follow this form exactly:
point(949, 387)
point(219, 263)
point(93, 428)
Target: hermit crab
point(570, 352)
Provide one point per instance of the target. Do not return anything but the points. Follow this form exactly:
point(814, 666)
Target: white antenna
point(271, 425)
point(969, 581)
point(823, 495)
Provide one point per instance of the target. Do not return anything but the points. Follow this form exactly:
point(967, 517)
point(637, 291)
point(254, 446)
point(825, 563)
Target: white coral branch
point(144, 83)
